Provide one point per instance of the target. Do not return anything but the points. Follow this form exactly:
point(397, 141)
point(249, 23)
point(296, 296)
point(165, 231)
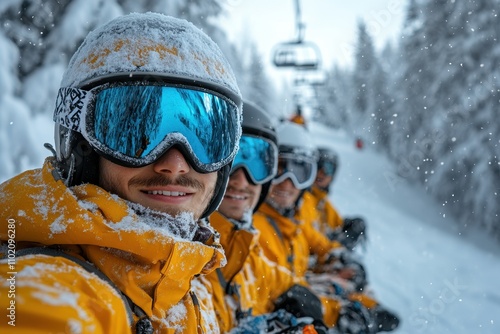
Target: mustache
point(162, 181)
point(240, 191)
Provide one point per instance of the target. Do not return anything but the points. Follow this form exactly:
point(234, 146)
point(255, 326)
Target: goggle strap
point(71, 104)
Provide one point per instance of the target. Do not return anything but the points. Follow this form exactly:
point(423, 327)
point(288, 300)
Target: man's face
point(284, 194)
point(323, 180)
point(241, 196)
point(168, 185)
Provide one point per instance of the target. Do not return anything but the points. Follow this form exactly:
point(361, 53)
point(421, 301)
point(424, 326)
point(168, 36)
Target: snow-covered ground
point(419, 262)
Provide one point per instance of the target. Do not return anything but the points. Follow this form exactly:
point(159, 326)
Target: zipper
point(197, 308)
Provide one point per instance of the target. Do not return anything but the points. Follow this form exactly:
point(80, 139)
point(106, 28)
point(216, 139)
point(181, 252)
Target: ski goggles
point(258, 156)
point(301, 170)
point(135, 124)
point(327, 166)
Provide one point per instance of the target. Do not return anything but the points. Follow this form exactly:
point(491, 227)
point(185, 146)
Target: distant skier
point(359, 143)
point(298, 117)
point(350, 232)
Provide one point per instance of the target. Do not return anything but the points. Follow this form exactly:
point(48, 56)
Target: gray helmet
point(148, 47)
point(328, 158)
point(257, 122)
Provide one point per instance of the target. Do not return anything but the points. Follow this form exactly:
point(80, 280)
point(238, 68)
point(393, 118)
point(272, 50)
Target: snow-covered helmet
point(327, 160)
point(258, 151)
point(139, 85)
point(297, 155)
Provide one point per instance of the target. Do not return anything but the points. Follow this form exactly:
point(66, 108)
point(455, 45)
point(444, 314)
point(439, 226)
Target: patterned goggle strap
point(71, 106)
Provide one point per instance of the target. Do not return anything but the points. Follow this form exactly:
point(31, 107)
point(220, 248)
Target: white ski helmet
point(297, 155)
point(142, 49)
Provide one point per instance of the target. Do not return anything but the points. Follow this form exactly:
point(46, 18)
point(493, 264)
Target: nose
point(238, 178)
point(172, 162)
point(286, 184)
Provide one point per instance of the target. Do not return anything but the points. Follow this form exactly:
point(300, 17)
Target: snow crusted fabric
point(150, 43)
point(146, 260)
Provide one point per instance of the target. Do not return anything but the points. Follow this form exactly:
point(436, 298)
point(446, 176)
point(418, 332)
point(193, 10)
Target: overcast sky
point(330, 24)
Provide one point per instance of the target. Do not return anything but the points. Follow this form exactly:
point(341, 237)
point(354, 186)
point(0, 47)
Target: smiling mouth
point(281, 193)
point(166, 193)
point(237, 197)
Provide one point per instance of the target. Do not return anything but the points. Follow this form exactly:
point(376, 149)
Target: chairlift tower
point(305, 58)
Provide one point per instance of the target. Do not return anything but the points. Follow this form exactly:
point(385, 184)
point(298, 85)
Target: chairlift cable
point(300, 26)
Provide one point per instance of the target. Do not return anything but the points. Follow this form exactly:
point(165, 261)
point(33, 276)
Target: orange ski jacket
point(289, 242)
point(328, 217)
point(249, 283)
point(147, 264)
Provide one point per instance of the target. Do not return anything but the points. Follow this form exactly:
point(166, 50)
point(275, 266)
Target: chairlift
point(298, 55)
point(311, 78)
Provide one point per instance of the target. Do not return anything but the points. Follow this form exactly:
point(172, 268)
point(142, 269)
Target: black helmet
point(140, 49)
point(328, 160)
point(256, 122)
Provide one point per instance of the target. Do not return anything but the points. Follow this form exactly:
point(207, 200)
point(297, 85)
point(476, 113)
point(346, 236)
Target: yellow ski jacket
point(309, 215)
point(328, 217)
point(146, 263)
point(249, 283)
point(289, 242)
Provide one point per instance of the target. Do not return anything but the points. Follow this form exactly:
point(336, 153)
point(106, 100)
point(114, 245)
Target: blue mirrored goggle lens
point(138, 123)
point(258, 156)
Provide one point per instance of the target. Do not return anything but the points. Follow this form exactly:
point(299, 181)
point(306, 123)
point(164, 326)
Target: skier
point(252, 293)
point(148, 120)
point(286, 220)
point(249, 284)
point(290, 238)
point(359, 143)
point(351, 231)
point(297, 117)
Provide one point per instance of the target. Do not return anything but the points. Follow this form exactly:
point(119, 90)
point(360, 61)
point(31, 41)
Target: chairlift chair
point(311, 78)
point(298, 55)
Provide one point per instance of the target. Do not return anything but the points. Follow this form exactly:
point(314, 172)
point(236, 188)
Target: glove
point(385, 320)
point(352, 233)
point(346, 265)
point(278, 322)
point(354, 318)
point(301, 302)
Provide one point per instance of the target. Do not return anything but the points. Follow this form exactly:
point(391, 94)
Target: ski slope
point(419, 263)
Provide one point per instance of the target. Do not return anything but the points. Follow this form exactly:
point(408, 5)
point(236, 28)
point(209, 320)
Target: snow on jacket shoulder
point(282, 240)
point(144, 260)
point(56, 295)
point(262, 281)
